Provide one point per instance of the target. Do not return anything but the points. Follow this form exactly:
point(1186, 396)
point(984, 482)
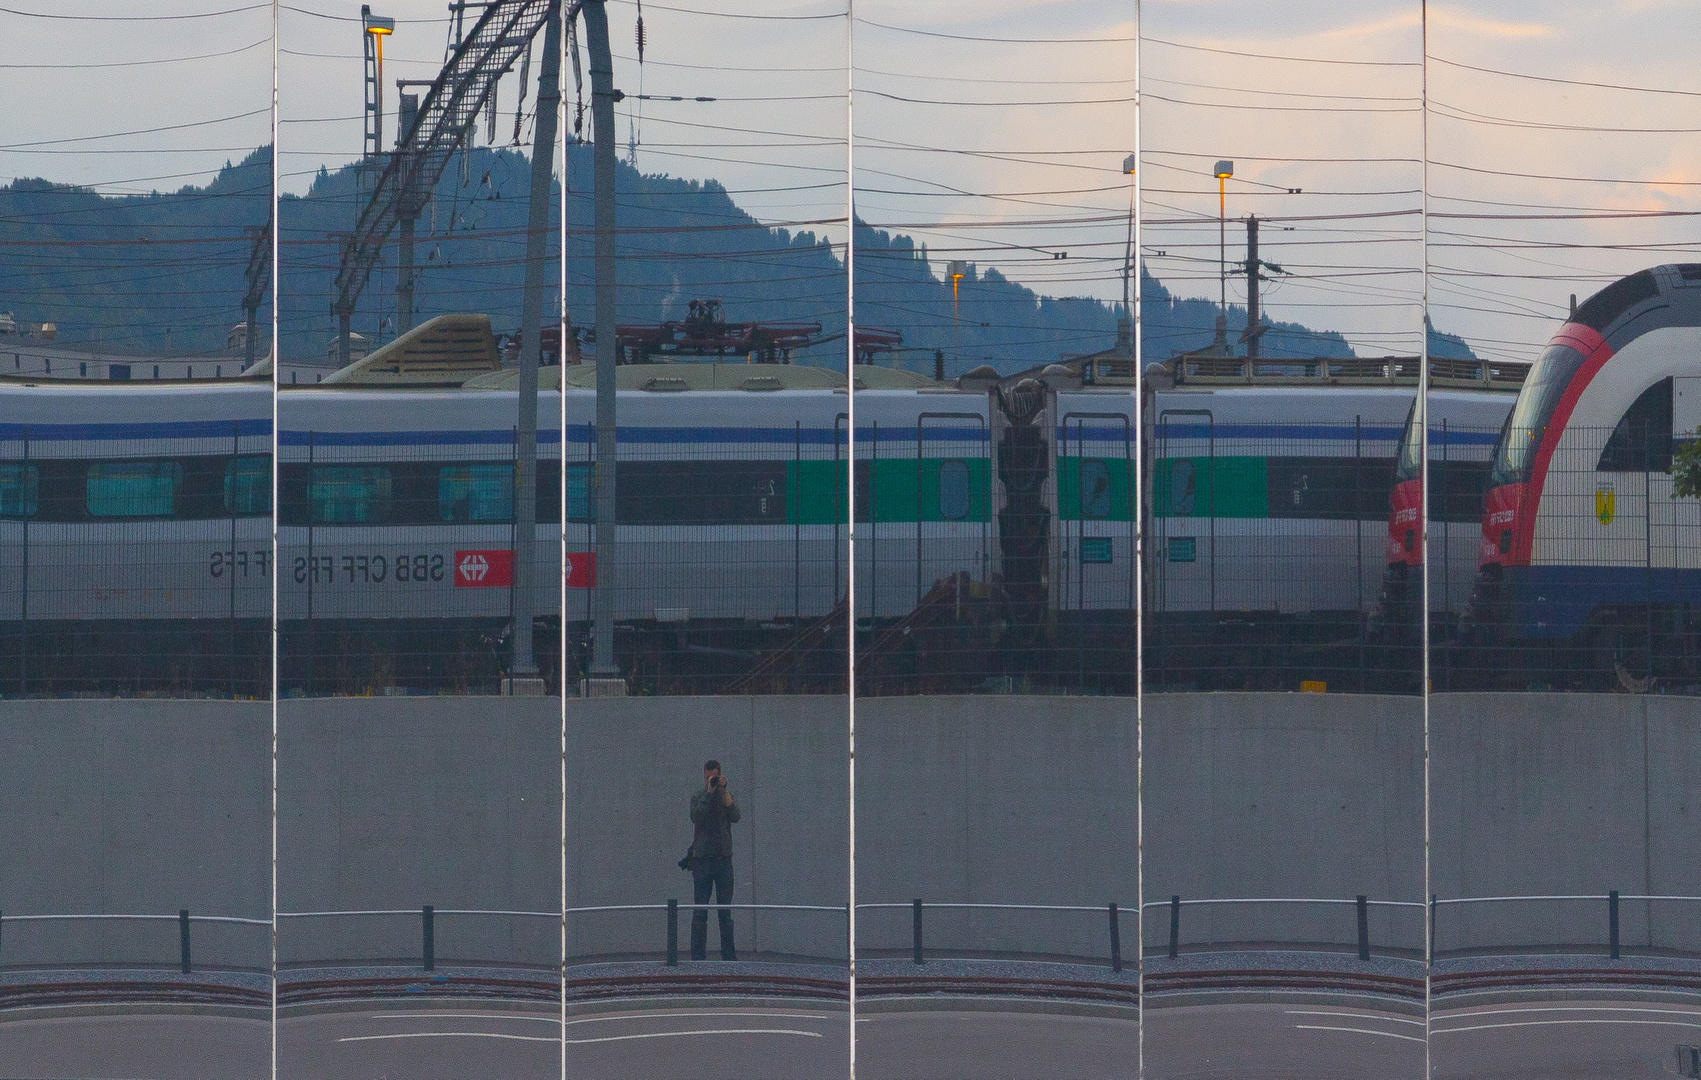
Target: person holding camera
point(713, 812)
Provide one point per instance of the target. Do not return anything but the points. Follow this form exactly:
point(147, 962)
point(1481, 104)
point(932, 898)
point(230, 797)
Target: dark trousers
point(711, 875)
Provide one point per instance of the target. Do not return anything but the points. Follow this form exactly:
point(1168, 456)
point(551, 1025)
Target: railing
point(1114, 912)
point(427, 922)
point(183, 919)
point(1612, 899)
point(1361, 905)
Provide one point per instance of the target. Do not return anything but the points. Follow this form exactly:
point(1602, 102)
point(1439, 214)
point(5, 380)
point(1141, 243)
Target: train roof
point(666, 378)
point(1660, 296)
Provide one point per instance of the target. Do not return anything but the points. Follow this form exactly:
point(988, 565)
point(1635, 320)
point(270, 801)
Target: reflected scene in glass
point(135, 548)
point(706, 459)
point(419, 498)
point(996, 792)
point(1565, 896)
point(1282, 341)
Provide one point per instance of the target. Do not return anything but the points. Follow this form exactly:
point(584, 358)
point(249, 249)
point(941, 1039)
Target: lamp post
point(1223, 171)
point(375, 28)
point(957, 270)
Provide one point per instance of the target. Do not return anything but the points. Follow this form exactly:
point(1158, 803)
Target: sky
point(995, 131)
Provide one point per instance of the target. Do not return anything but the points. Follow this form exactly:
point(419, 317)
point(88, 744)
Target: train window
point(349, 494)
point(132, 488)
point(1095, 490)
point(954, 489)
point(248, 485)
point(20, 487)
point(1642, 440)
point(1543, 388)
point(475, 493)
point(580, 483)
point(1183, 488)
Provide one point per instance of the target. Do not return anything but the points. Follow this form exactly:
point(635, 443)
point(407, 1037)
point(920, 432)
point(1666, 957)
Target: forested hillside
point(164, 272)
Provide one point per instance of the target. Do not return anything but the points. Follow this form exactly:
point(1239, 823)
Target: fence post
point(915, 942)
point(1115, 940)
point(428, 931)
point(183, 937)
point(1612, 922)
point(1174, 927)
point(1363, 927)
point(672, 932)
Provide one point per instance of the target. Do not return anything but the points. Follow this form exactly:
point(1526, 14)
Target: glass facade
point(749, 542)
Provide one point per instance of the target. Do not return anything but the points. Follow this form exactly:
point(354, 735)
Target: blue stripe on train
point(1304, 432)
point(1556, 601)
point(168, 429)
point(581, 435)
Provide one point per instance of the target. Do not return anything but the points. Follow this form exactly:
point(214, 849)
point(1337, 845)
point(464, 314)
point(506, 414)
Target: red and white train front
point(1581, 531)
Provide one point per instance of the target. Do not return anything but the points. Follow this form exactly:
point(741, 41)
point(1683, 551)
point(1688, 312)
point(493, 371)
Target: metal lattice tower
point(446, 120)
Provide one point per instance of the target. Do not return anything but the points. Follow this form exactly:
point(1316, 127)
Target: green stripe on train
point(1224, 487)
point(815, 490)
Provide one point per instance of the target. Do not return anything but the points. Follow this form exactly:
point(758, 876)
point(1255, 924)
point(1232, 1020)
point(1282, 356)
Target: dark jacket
point(713, 838)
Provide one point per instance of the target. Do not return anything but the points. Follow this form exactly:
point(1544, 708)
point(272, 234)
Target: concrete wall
point(400, 802)
point(148, 806)
point(133, 808)
point(1284, 795)
point(1553, 794)
point(632, 767)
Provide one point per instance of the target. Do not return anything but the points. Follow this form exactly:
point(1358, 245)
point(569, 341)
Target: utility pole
point(1252, 278)
point(604, 675)
point(258, 276)
point(524, 670)
point(408, 207)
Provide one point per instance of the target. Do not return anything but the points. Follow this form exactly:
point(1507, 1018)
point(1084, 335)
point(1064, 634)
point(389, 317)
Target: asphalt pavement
point(910, 1039)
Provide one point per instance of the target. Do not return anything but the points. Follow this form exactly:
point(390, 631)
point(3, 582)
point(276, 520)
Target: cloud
point(1468, 22)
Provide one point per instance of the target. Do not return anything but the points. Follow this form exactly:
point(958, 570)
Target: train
point(1589, 561)
point(1263, 505)
point(1464, 425)
point(135, 537)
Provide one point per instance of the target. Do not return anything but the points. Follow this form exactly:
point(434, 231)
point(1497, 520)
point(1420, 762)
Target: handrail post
point(672, 932)
point(915, 942)
point(1115, 939)
point(428, 933)
point(1174, 927)
point(1433, 904)
point(1363, 927)
point(1612, 922)
point(183, 938)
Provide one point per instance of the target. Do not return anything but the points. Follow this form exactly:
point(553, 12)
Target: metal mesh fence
point(397, 562)
point(1590, 573)
point(1267, 552)
point(135, 564)
point(993, 557)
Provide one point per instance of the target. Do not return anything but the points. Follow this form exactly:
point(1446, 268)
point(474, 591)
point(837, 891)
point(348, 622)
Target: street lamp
point(957, 270)
point(1223, 171)
point(374, 29)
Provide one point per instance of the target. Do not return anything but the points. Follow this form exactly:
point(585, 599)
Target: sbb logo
point(483, 569)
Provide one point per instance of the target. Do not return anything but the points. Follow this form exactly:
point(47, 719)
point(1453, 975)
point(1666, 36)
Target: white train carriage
point(731, 501)
point(399, 504)
point(151, 504)
point(1270, 500)
point(925, 494)
point(1092, 493)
